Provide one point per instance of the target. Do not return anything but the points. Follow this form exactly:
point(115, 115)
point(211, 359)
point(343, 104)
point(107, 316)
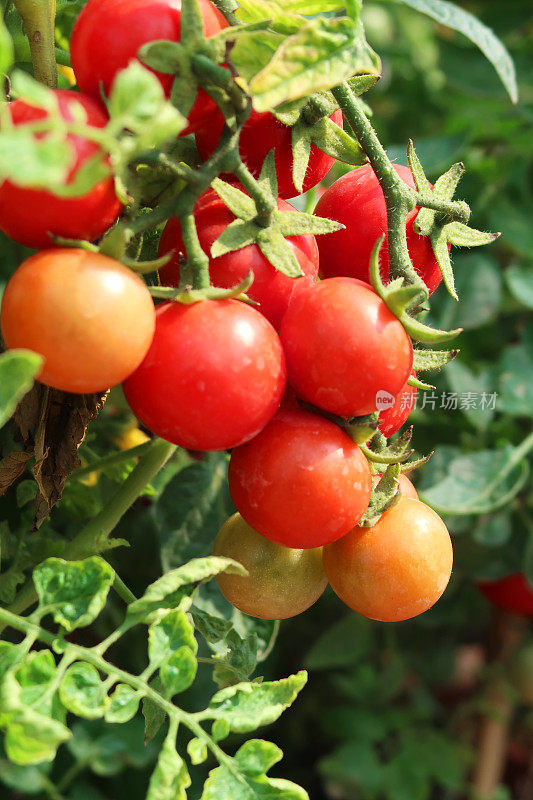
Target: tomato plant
point(270, 288)
point(301, 482)
point(281, 582)
point(261, 133)
point(344, 346)
point(89, 316)
point(356, 199)
point(146, 395)
point(213, 377)
point(31, 215)
point(396, 569)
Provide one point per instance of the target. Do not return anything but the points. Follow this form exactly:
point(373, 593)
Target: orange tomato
point(90, 317)
point(396, 569)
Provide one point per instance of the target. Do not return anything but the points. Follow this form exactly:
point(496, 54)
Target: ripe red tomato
point(357, 201)
point(344, 348)
point(262, 132)
point(396, 569)
point(213, 377)
point(108, 34)
point(392, 418)
point(404, 484)
point(281, 582)
point(271, 288)
point(29, 215)
point(90, 317)
point(512, 593)
point(301, 482)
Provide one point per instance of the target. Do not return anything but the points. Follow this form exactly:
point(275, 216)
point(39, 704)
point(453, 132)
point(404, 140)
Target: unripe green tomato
point(281, 582)
point(521, 673)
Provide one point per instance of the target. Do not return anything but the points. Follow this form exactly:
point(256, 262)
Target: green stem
point(400, 198)
point(122, 590)
point(38, 17)
point(197, 260)
point(264, 202)
point(92, 539)
point(111, 461)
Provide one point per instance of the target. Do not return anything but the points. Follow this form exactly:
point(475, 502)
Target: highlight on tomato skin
point(356, 200)
point(281, 582)
point(213, 377)
point(270, 288)
point(396, 569)
point(301, 482)
point(345, 349)
point(109, 33)
point(261, 133)
point(92, 318)
point(512, 593)
point(32, 215)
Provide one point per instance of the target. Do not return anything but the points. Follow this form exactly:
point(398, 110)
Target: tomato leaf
point(170, 778)
point(82, 692)
point(18, 368)
point(320, 55)
point(463, 21)
point(73, 591)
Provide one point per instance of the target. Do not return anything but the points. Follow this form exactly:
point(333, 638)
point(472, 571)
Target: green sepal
point(432, 359)
point(384, 495)
point(360, 84)
point(191, 23)
point(408, 466)
point(439, 242)
point(237, 235)
point(418, 384)
point(402, 299)
point(163, 56)
point(461, 235)
point(335, 142)
point(188, 296)
point(421, 182)
point(360, 429)
point(394, 453)
point(278, 251)
point(301, 151)
point(268, 177)
point(301, 223)
point(184, 92)
point(236, 200)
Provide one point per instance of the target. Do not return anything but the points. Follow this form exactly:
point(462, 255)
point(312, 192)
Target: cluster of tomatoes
point(227, 375)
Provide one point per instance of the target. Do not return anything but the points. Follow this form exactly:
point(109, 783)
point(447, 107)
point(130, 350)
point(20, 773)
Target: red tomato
point(301, 482)
point(108, 34)
point(91, 318)
point(271, 288)
point(213, 377)
point(393, 417)
point(357, 201)
point(262, 132)
point(29, 215)
point(344, 348)
point(404, 484)
point(396, 569)
point(512, 593)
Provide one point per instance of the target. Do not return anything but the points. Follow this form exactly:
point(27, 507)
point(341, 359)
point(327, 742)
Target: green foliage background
point(384, 716)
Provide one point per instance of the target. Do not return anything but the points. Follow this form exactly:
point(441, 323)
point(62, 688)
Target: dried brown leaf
point(12, 467)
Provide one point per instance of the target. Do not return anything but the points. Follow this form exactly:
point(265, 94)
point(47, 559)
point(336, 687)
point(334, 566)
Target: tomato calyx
point(271, 239)
point(385, 494)
point(187, 295)
point(444, 227)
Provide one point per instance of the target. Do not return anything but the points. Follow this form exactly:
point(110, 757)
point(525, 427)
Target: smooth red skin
point(301, 482)
point(512, 593)
point(392, 419)
point(108, 34)
point(29, 215)
point(271, 288)
point(213, 377)
point(262, 132)
point(343, 345)
point(357, 201)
